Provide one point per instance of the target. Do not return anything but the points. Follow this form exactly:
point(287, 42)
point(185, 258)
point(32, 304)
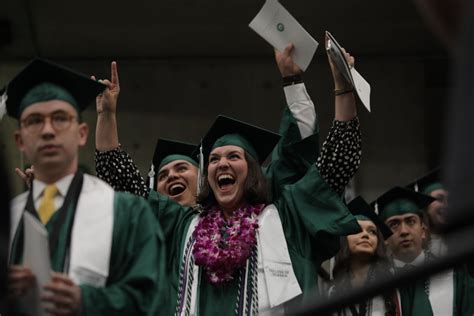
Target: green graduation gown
point(415, 302)
point(312, 215)
point(136, 245)
point(292, 157)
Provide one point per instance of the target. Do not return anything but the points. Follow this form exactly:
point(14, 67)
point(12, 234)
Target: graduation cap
point(428, 183)
point(401, 201)
point(363, 211)
point(42, 80)
point(166, 151)
point(256, 141)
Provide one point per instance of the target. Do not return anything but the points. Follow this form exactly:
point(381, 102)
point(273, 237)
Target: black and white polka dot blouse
point(340, 154)
point(337, 163)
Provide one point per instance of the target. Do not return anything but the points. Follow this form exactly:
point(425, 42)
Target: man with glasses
point(103, 245)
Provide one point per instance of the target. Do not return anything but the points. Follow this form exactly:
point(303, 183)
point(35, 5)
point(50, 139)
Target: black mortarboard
point(400, 201)
point(363, 211)
point(427, 183)
point(42, 80)
point(166, 151)
point(256, 141)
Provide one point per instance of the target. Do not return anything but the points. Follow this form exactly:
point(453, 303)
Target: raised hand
point(107, 101)
point(285, 63)
point(339, 80)
point(27, 175)
point(64, 295)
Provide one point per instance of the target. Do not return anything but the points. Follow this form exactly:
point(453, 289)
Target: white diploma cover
point(279, 28)
point(35, 257)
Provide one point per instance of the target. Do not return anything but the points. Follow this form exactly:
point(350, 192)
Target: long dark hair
point(255, 186)
point(343, 257)
point(379, 265)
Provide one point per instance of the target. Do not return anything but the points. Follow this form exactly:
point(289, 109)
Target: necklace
point(221, 247)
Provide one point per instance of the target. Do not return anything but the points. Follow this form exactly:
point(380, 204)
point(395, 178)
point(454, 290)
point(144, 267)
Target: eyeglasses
point(59, 120)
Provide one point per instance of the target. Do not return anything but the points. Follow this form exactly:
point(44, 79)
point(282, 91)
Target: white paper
point(35, 257)
point(361, 86)
point(279, 28)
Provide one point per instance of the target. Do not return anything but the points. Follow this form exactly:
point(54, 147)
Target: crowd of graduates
point(242, 223)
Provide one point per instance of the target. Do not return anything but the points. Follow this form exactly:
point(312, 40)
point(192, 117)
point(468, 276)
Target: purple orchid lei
point(222, 247)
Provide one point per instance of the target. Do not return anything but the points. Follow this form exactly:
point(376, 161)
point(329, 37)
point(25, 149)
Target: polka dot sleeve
point(341, 153)
point(117, 168)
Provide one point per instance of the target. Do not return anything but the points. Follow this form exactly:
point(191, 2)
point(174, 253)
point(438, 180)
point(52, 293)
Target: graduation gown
point(415, 302)
point(312, 217)
point(293, 155)
point(114, 260)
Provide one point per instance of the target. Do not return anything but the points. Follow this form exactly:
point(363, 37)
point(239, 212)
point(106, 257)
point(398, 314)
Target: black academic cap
point(427, 183)
point(400, 201)
point(360, 208)
point(256, 141)
point(167, 150)
point(79, 86)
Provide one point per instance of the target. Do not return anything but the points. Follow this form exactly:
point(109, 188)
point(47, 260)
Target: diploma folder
point(352, 76)
point(35, 257)
point(279, 28)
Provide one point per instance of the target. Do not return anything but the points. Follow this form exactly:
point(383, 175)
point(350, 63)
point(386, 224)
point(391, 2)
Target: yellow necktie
point(47, 208)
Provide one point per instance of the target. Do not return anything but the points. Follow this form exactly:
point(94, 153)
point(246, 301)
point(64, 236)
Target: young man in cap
point(447, 293)
point(103, 245)
point(430, 184)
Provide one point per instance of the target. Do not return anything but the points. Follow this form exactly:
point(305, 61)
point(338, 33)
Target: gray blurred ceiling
point(136, 29)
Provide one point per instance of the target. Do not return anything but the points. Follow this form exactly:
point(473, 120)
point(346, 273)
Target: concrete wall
point(179, 98)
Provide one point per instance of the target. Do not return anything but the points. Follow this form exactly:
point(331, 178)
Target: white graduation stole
point(278, 274)
point(91, 237)
point(280, 283)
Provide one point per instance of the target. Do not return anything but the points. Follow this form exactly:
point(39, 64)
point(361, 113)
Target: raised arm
point(113, 165)
point(299, 145)
point(297, 98)
point(106, 135)
point(341, 152)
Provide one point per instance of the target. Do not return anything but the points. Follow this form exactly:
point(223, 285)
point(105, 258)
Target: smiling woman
point(233, 175)
point(243, 253)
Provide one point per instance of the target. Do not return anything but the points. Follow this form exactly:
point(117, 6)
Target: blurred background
point(181, 63)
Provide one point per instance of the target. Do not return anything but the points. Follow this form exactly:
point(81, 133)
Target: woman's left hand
point(339, 81)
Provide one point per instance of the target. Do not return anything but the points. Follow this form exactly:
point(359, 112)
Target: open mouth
point(176, 189)
point(225, 181)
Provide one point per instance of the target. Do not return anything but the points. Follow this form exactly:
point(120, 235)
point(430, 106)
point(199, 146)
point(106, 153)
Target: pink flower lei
point(222, 247)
